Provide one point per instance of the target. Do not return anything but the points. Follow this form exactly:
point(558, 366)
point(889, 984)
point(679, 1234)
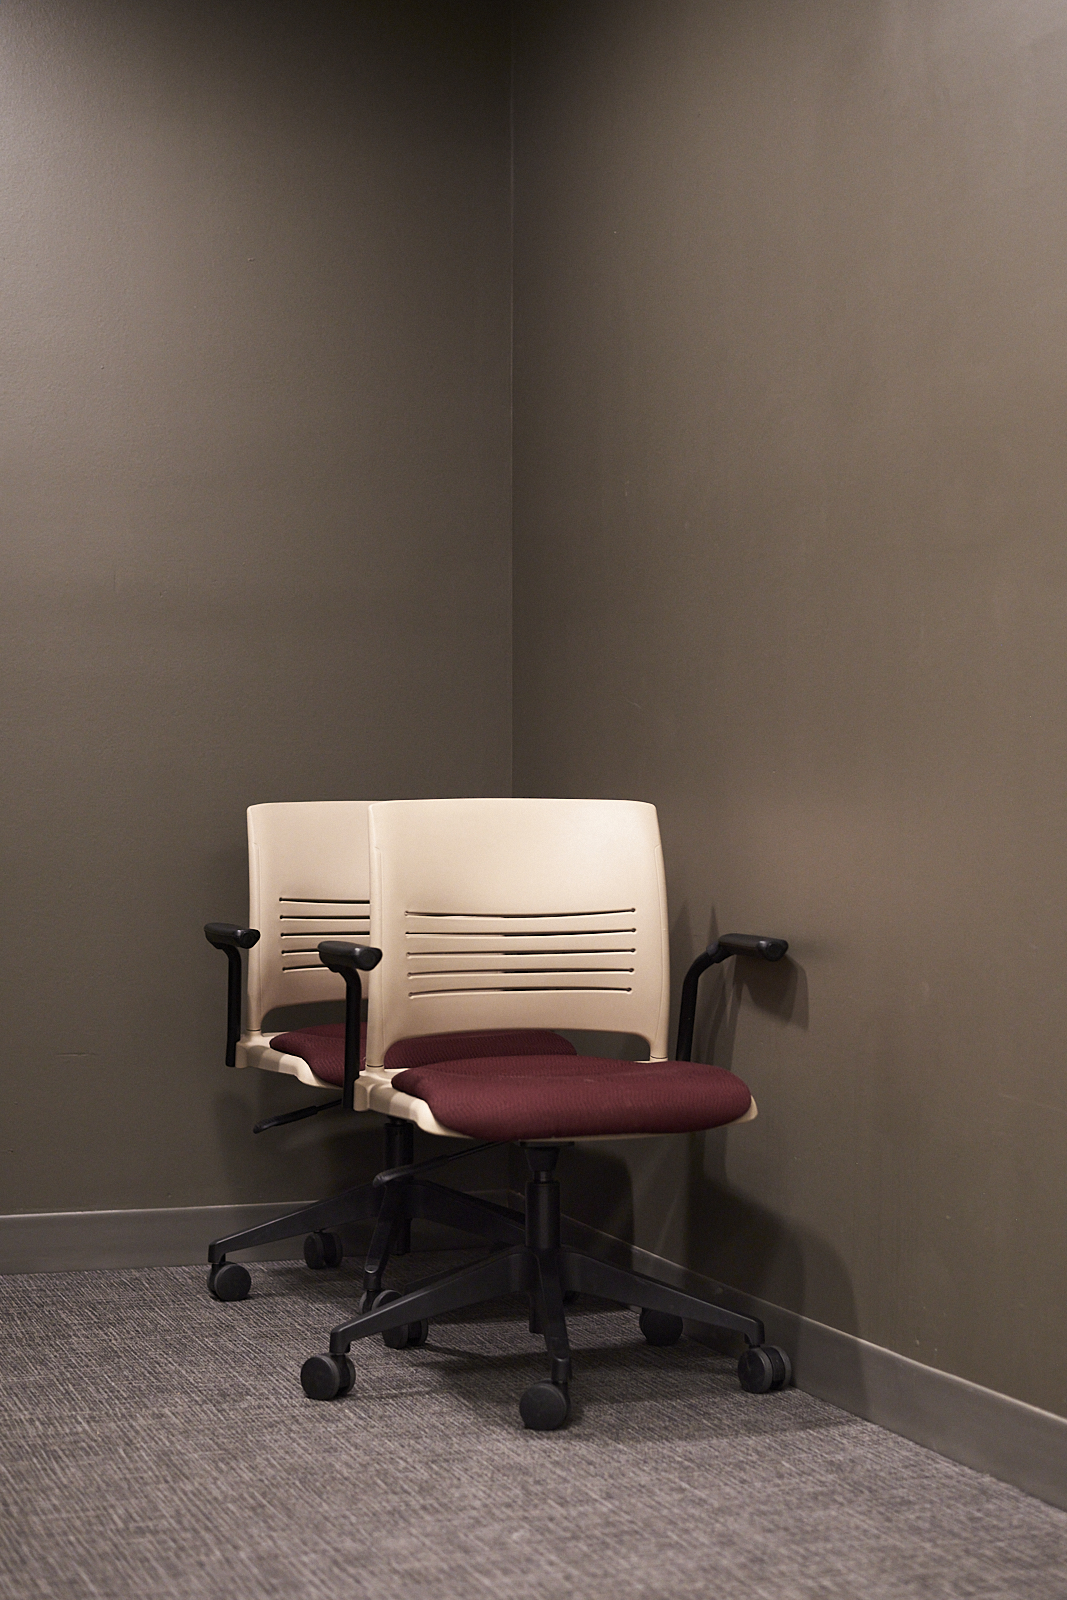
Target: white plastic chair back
point(517, 913)
point(307, 880)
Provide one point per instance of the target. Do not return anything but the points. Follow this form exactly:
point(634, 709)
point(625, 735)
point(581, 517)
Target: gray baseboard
point(978, 1427)
point(173, 1236)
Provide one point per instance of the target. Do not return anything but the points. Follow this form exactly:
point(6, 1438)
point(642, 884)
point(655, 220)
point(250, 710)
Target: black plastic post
point(542, 1210)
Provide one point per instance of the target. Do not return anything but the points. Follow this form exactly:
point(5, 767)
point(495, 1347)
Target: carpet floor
point(154, 1443)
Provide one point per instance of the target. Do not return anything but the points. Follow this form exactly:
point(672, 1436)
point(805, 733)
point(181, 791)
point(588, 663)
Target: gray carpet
point(157, 1444)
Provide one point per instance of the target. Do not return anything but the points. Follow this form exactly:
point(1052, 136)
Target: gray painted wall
point(254, 449)
point(790, 497)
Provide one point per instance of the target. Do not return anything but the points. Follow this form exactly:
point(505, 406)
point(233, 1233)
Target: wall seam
point(511, 393)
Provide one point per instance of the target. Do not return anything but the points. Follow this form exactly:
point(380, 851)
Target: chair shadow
point(616, 1373)
point(727, 1235)
point(323, 1155)
point(614, 1368)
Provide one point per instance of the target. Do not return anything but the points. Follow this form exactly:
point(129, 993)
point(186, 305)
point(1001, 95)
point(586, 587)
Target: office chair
point(507, 915)
point(308, 893)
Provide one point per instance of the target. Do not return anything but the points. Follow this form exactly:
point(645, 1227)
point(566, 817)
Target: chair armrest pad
point(339, 956)
point(748, 944)
point(228, 934)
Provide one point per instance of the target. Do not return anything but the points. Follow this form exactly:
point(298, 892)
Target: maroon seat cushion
point(571, 1097)
point(436, 1047)
point(322, 1047)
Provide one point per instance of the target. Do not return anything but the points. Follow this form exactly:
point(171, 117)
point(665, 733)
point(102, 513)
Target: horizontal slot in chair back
point(308, 880)
point(517, 913)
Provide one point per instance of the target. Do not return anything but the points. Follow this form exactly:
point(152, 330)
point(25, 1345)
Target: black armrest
point(228, 937)
point(747, 944)
point(223, 934)
point(731, 944)
point(340, 956)
point(349, 960)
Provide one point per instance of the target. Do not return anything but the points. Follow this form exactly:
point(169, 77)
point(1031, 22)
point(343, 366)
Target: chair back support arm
point(348, 961)
point(228, 937)
point(731, 944)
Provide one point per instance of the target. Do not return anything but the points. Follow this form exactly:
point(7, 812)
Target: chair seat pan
point(574, 1097)
point(322, 1047)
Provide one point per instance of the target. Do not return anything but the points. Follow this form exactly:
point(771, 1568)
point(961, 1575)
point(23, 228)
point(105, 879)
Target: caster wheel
point(323, 1250)
point(229, 1281)
point(570, 1296)
point(327, 1378)
point(545, 1407)
point(660, 1327)
point(409, 1334)
point(762, 1368)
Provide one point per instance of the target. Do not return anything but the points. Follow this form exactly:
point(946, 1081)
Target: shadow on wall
point(719, 1232)
point(687, 1212)
point(323, 1154)
point(326, 1154)
point(734, 1239)
point(743, 1245)
point(598, 1190)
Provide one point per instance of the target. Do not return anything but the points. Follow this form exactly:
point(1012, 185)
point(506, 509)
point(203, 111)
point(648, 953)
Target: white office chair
point(494, 918)
point(308, 894)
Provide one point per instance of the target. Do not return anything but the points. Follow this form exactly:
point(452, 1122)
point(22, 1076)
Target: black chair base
point(547, 1272)
point(391, 1201)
